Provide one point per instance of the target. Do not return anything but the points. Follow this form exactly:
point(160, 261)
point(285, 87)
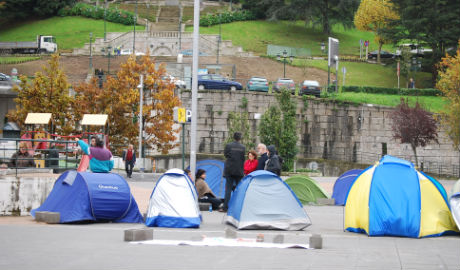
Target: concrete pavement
point(26, 244)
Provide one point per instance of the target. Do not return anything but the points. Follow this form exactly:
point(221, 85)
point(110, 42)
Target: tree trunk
point(380, 49)
point(326, 28)
point(414, 148)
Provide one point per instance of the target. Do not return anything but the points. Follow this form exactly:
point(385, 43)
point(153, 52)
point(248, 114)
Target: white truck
point(43, 44)
point(414, 49)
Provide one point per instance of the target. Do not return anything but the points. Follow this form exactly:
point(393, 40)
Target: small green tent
point(306, 189)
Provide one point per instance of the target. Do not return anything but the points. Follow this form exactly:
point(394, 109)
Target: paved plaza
point(27, 244)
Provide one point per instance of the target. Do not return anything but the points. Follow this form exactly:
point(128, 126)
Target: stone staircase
point(168, 19)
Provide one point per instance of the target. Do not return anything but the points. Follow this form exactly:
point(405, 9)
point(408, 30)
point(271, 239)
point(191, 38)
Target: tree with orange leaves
point(119, 98)
point(449, 84)
point(48, 92)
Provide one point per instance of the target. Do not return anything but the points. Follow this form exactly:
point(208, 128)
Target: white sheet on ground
point(224, 242)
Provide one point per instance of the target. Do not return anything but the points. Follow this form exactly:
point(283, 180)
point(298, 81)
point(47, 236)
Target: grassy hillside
point(255, 35)
point(70, 32)
point(358, 73)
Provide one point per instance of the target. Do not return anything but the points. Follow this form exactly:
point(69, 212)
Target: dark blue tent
point(214, 175)
point(85, 196)
point(343, 184)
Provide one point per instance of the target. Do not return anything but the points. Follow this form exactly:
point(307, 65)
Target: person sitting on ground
point(22, 158)
point(250, 164)
point(262, 150)
point(100, 159)
point(205, 194)
point(273, 163)
point(188, 173)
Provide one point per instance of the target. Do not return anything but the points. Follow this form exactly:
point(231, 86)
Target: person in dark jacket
point(234, 153)
point(22, 158)
point(273, 163)
point(129, 157)
point(262, 151)
point(52, 158)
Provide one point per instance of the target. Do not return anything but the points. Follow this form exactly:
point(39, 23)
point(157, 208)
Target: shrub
point(90, 11)
point(226, 17)
point(392, 91)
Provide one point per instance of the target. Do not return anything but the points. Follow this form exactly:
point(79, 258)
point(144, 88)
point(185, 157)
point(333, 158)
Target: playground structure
point(42, 143)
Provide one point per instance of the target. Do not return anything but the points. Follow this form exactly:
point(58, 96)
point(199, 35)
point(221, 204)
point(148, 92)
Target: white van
point(413, 48)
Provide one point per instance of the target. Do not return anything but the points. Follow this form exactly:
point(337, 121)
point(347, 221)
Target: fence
point(56, 155)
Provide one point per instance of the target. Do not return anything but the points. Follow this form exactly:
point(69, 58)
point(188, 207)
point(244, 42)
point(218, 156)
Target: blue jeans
point(230, 184)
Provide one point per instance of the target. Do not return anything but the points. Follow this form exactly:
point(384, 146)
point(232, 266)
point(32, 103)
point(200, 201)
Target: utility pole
point(141, 100)
point(196, 39)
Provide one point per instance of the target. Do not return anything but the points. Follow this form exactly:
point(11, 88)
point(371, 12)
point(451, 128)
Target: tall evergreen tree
point(431, 22)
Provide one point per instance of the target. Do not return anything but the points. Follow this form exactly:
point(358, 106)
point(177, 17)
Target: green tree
point(431, 23)
point(374, 16)
point(278, 127)
point(48, 92)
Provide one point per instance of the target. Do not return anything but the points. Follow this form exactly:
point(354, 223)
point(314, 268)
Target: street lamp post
point(284, 56)
point(141, 103)
point(90, 52)
point(109, 49)
point(134, 32)
point(105, 26)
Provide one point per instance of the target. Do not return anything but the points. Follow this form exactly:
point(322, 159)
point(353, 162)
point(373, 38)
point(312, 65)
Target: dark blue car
point(214, 81)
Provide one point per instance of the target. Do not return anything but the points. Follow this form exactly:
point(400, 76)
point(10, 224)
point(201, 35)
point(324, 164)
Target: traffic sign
point(180, 115)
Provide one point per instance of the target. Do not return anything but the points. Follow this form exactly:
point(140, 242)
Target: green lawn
point(432, 104)
point(256, 35)
point(360, 73)
point(17, 60)
point(70, 32)
point(145, 11)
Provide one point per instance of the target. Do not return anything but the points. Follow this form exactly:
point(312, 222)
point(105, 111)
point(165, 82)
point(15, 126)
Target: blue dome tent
point(85, 196)
point(343, 184)
point(174, 202)
point(214, 175)
point(263, 201)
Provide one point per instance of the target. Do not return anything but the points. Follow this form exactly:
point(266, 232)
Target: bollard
point(279, 239)
point(231, 234)
point(326, 201)
point(39, 216)
point(316, 241)
point(204, 206)
point(138, 234)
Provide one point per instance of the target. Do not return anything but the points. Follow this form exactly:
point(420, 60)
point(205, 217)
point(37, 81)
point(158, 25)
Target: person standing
point(129, 157)
point(411, 83)
point(205, 194)
point(262, 150)
point(234, 154)
point(273, 163)
point(250, 164)
point(101, 160)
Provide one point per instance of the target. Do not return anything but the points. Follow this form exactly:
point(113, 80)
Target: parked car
point(257, 84)
point(130, 51)
point(310, 88)
point(4, 77)
point(383, 54)
point(284, 83)
point(180, 84)
point(215, 81)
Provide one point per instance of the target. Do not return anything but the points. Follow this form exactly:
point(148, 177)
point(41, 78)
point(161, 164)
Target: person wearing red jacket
point(250, 164)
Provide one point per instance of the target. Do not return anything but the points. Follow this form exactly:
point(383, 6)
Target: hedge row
point(226, 17)
point(393, 91)
point(94, 12)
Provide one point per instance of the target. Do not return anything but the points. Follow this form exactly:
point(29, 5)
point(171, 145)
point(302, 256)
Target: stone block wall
point(327, 130)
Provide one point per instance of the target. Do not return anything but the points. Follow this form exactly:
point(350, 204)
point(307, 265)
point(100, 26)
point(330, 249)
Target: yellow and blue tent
point(393, 198)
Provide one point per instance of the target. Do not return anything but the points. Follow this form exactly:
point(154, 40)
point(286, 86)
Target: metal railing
point(62, 156)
